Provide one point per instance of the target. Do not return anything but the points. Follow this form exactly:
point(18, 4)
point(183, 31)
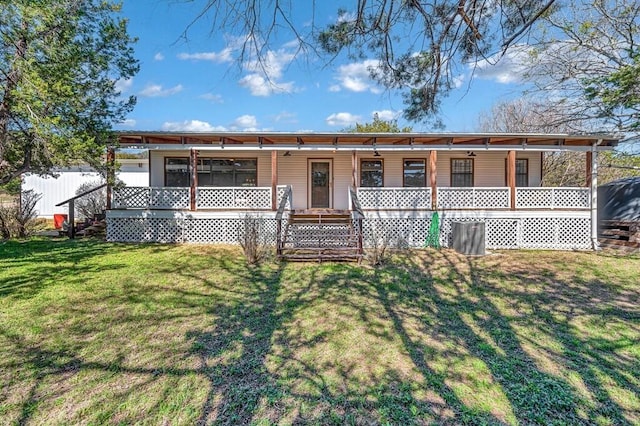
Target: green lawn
point(97, 333)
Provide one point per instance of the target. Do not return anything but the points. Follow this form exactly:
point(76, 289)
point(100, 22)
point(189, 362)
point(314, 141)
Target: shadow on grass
point(256, 337)
point(534, 395)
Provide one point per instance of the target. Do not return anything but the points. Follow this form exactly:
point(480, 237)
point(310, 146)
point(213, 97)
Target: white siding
point(56, 190)
point(294, 169)
point(489, 167)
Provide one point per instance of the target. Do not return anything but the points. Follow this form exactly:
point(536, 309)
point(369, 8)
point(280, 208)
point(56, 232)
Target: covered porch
point(397, 180)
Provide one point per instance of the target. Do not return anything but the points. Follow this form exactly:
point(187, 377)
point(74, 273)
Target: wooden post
point(433, 178)
point(274, 180)
point(593, 182)
point(111, 174)
point(194, 178)
point(589, 172)
point(72, 219)
point(354, 163)
point(511, 177)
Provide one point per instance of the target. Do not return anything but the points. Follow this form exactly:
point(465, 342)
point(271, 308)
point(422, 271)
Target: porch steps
point(320, 234)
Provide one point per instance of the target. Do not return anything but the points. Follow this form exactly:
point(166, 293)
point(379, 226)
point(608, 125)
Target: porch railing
point(553, 198)
point(141, 197)
point(394, 198)
point(473, 198)
point(233, 198)
point(179, 198)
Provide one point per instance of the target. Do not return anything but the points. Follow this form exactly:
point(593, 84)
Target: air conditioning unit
point(468, 238)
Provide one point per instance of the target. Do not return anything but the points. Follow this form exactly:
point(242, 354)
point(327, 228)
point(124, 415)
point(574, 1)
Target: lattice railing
point(548, 232)
point(394, 198)
point(470, 198)
point(233, 198)
point(553, 198)
point(140, 197)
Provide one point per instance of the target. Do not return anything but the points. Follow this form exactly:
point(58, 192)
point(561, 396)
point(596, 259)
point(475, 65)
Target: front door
point(320, 184)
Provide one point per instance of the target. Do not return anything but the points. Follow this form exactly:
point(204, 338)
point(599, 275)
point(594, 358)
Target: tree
point(422, 47)
point(587, 58)
point(378, 126)
point(59, 64)
point(558, 168)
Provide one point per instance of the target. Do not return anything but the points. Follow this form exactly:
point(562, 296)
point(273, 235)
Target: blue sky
point(195, 84)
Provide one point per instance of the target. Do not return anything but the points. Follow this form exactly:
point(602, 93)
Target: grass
point(98, 333)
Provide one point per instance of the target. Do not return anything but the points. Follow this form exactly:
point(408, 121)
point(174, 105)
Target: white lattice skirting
point(504, 230)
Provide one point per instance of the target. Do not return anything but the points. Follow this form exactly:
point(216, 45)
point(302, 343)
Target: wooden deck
point(620, 234)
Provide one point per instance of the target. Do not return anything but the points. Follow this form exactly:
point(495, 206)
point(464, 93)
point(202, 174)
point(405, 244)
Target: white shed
point(133, 172)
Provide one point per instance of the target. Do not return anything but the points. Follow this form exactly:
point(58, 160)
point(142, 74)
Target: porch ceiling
point(363, 141)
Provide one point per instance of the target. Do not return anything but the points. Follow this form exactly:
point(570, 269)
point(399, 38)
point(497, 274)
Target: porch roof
point(364, 141)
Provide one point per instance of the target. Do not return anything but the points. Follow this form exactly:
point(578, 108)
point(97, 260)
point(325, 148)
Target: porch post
point(511, 177)
point(433, 178)
point(72, 219)
point(274, 180)
point(111, 174)
point(587, 179)
point(354, 162)
point(594, 197)
point(194, 178)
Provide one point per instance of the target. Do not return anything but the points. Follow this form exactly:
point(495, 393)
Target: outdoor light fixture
point(376, 153)
point(287, 154)
point(471, 154)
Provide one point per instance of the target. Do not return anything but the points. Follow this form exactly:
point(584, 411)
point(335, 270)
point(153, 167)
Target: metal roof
point(381, 141)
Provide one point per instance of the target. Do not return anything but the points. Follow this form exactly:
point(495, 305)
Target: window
point(176, 172)
point(522, 172)
point(371, 173)
point(414, 173)
point(462, 172)
point(227, 172)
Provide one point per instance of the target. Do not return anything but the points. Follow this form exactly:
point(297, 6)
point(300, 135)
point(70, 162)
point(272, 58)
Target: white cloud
point(507, 69)
point(260, 86)
point(285, 117)
point(386, 114)
point(246, 122)
point(265, 74)
point(458, 81)
point(271, 64)
point(191, 126)
point(212, 97)
point(123, 85)
point(129, 122)
point(158, 57)
point(156, 91)
point(343, 119)
point(218, 57)
point(356, 77)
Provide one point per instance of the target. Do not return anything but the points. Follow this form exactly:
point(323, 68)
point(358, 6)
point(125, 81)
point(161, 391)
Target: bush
point(92, 204)
point(252, 238)
point(18, 219)
point(378, 242)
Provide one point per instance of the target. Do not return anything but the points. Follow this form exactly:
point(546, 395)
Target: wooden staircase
point(320, 234)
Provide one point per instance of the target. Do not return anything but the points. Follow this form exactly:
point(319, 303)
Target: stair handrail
point(288, 195)
point(283, 203)
point(357, 215)
point(72, 208)
point(355, 203)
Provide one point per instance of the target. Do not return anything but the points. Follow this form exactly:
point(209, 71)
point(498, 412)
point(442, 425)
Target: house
point(53, 190)
point(201, 185)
